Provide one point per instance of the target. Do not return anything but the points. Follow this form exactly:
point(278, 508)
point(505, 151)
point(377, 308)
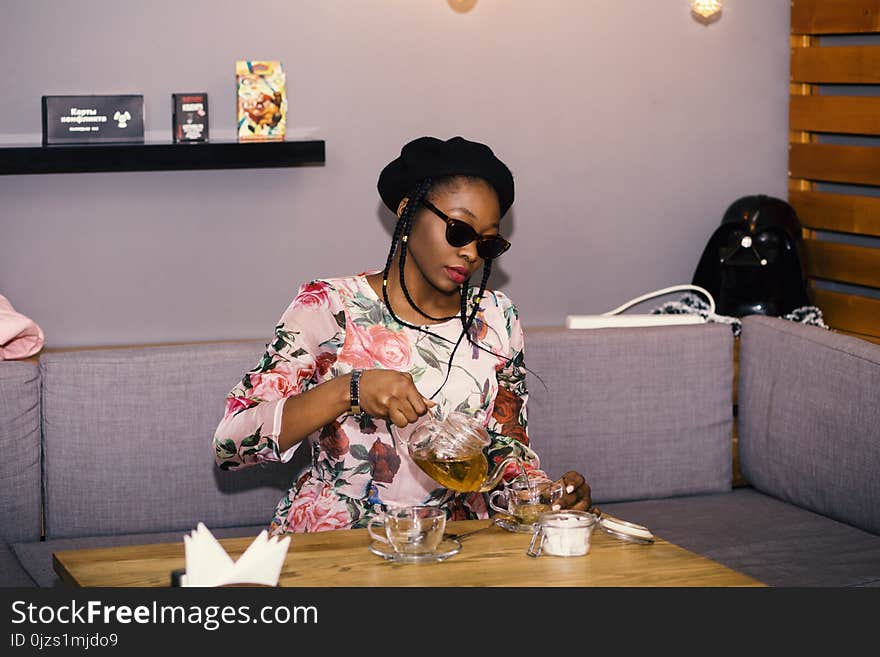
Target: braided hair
point(401, 237)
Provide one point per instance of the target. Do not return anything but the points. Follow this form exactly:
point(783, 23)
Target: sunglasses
point(459, 233)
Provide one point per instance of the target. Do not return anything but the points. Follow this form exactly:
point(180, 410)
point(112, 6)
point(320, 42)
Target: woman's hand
point(576, 495)
point(393, 396)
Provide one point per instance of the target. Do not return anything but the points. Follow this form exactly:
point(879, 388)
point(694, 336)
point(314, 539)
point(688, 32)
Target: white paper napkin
point(208, 564)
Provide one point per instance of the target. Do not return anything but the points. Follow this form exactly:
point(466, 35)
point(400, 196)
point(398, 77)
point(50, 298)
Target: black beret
point(431, 157)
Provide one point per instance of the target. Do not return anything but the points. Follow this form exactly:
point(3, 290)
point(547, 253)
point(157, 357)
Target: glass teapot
point(450, 451)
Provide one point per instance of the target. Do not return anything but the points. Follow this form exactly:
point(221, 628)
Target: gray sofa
point(113, 446)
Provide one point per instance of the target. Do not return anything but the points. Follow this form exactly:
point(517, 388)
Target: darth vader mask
point(752, 263)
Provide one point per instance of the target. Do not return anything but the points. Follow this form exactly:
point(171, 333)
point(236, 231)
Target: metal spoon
point(458, 537)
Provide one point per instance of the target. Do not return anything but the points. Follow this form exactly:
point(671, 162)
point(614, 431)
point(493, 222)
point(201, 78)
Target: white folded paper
point(208, 564)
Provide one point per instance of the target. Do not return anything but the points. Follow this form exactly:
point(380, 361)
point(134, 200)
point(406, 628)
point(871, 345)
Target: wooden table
point(494, 557)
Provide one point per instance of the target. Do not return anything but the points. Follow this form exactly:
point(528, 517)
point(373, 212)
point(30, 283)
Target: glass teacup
point(526, 500)
point(411, 529)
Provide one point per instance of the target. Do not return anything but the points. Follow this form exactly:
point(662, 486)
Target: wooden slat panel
point(838, 212)
point(870, 338)
point(801, 137)
point(844, 64)
point(802, 41)
point(835, 16)
point(738, 479)
point(852, 115)
point(800, 185)
point(845, 263)
point(846, 164)
point(848, 312)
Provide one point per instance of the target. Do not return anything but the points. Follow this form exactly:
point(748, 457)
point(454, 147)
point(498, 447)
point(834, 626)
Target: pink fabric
point(20, 336)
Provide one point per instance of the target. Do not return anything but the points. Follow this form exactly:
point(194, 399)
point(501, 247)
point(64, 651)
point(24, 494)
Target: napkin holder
point(208, 564)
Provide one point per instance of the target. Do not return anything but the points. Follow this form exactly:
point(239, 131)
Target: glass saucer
point(512, 525)
point(448, 547)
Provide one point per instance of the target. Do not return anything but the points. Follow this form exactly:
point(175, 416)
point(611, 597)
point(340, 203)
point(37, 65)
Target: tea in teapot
point(455, 474)
point(450, 451)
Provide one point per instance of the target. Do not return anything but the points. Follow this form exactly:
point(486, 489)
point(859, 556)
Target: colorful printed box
point(262, 100)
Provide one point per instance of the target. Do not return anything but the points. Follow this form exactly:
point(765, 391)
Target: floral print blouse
point(360, 465)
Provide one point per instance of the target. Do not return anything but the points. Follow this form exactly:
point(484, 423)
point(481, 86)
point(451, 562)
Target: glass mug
point(411, 529)
point(526, 501)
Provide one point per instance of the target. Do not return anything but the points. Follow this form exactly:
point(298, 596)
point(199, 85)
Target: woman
point(355, 356)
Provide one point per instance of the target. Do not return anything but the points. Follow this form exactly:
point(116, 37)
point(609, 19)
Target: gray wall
point(629, 128)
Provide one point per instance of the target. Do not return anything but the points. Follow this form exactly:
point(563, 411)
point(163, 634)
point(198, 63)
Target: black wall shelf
point(94, 158)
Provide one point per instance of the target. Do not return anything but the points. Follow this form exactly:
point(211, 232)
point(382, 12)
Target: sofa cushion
point(128, 442)
point(12, 573)
point(20, 515)
point(765, 538)
point(641, 412)
point(809, 414)
point(36, 557)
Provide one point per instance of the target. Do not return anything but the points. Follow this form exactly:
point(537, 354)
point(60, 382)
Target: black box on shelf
point(93, 119)
point(189, 117)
